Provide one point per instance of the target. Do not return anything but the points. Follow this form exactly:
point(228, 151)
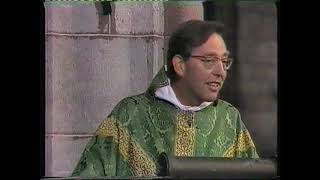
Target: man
point(180, 113)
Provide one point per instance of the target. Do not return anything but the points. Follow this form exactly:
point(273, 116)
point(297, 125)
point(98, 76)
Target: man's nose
point(218, 69)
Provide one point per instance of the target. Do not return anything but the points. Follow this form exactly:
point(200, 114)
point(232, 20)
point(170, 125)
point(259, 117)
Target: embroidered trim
point(185, 135)
point(141, 164)
point(242, 144)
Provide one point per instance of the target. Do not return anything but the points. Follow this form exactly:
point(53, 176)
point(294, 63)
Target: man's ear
point(178, 65)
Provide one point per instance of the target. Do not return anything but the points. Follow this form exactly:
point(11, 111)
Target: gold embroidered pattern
point(243, 143)
point(141, 164)
point(185, 136)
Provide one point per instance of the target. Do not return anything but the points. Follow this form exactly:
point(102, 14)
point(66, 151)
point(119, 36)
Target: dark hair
point(190, 34)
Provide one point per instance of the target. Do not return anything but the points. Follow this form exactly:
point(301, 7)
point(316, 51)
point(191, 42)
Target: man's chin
point(212, 98)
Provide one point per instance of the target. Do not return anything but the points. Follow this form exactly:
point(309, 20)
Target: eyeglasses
point(210, 61)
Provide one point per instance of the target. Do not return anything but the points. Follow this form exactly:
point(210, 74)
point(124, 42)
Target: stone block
point(76, 17)
point(137, 18)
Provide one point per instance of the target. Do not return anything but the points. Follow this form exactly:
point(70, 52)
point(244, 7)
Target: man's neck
point(183, 96)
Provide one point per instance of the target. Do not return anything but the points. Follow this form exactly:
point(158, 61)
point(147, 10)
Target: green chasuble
point(129, 141)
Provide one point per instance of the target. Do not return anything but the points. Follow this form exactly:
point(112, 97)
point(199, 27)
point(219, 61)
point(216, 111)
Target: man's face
point(204, 82)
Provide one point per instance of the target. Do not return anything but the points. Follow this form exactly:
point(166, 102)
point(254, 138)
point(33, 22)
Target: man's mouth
point(214, 86)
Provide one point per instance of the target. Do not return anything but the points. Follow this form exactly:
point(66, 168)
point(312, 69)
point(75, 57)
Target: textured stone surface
point(156, 56)
point(263, 104)
point(177, 12)
point(63, 153)
point(90, 76)
point(48, 88)
point(260, 87)
point(266, 70)
point(76, 18)
point(137, 18)
point(48, 156)
point(260, 52)
point(165, 47)
point(258, 21)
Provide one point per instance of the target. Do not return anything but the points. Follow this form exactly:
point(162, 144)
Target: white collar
point(167, 93)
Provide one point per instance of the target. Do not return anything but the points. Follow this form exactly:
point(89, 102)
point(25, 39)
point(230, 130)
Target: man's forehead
point(211, 52)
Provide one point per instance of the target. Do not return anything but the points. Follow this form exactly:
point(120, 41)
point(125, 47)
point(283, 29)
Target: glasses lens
point(228, 63)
